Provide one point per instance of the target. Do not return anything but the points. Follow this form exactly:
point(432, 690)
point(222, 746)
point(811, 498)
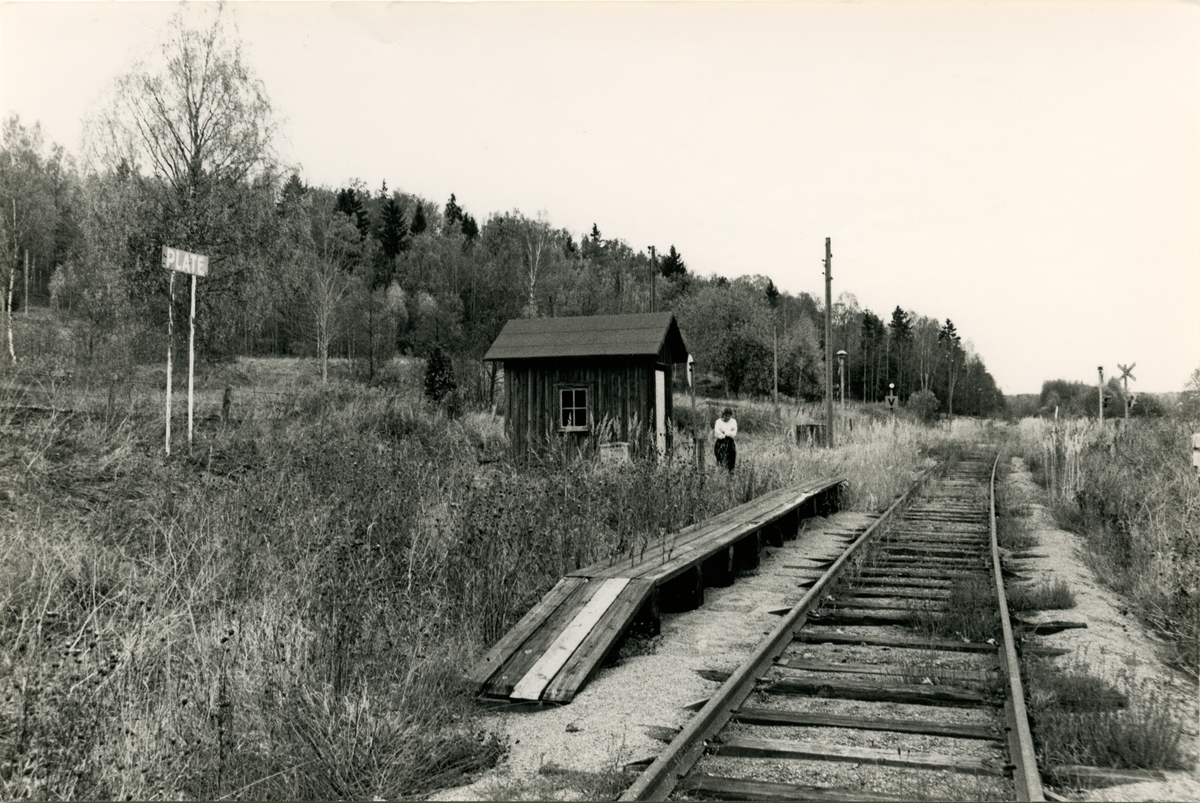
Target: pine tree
point(350, 204)
point(673, 265)
point(393, 231)
point(419, 224)
point(470, 228)
point(454, 213)
point(439, 376)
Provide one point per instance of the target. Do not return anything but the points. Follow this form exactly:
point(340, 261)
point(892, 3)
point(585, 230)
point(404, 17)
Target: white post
point(170, 335)
point(191, 357)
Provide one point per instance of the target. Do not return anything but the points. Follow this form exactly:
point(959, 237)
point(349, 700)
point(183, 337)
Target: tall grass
point(286, 610)
point(1134, 498)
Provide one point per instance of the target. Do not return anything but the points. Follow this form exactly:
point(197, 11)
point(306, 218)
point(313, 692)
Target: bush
point(439, 376)
point(923, 405)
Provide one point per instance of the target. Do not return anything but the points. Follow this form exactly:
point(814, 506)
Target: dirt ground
point(605, 726)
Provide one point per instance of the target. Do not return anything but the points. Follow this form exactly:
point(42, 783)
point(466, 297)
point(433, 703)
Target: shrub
point(924, 406)
point(439, 376)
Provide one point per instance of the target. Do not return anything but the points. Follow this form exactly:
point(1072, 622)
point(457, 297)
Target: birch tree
point(194, 128)
point(26, 212)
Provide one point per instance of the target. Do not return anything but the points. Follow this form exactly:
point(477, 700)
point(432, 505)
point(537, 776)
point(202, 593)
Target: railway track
point(894, 677)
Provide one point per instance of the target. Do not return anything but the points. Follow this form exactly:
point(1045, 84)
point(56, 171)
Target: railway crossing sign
point(1126, 375)
point(177, 260)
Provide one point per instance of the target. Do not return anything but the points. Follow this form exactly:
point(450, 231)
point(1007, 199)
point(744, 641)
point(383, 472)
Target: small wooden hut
point(579, 383)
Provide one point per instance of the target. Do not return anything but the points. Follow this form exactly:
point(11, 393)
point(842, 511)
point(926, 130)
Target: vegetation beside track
point(1135, 501)
point(285, 611)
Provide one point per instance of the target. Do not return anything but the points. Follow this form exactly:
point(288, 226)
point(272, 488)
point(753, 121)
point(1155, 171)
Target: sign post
point(891, 398)
point(176, 260)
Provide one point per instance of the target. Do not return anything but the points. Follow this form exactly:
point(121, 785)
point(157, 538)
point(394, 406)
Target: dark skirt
point(725, 451)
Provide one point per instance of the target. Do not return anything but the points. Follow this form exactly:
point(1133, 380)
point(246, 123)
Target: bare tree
point(198, 119)
point(536, 233)
point(327, 276)
point(26, 210)
point(192, 127)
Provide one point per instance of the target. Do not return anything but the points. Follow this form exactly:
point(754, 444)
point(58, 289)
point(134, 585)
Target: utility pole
point(828, 347)
point(1100, 369)
point(775, 359)
point(653, 270)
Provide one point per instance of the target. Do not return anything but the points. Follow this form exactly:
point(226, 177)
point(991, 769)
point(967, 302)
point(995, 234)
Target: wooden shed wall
point(621, 391)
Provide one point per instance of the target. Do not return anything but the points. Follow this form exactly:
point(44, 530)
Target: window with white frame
point(573, 409)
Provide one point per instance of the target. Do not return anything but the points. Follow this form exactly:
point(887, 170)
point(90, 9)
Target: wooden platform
point(560, 642)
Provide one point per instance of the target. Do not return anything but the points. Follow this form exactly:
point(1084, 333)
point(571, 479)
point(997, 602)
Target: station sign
point(184, 261)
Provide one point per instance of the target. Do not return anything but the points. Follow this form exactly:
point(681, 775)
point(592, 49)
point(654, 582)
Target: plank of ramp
point(742, 747)
point(531, 686)
point(503, 649)
point(763, 716)
point(722, 788)
point(598, 642)
point(518, 665)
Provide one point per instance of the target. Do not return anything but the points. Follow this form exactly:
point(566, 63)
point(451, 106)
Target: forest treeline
point(182, 154)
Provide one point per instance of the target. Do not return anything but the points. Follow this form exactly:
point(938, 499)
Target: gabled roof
point(589, 336)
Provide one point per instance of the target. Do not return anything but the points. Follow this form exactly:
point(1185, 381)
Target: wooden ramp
point(560, 642)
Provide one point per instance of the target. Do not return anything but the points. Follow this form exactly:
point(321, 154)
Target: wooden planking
point(883, 604)
point(911, 582)
point(907, 642)
point(800, 665)
point(698, 541)
point(682, 539)
point(912, 694)
point(954, 730)
point(722, 788)
point(531, 686)
point(606, 633)
point(848, 617)
point(742, 747)
point(503, 649)
point(702, 547)
point(517, 666)
point(562, 635)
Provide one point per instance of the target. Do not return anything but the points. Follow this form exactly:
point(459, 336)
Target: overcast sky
point(1030, 170)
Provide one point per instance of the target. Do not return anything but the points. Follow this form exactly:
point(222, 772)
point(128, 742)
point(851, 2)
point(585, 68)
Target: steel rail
point(1026, 780)
point(677, 759)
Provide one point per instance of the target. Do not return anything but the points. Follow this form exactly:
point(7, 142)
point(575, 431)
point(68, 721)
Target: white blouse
point(725, 429)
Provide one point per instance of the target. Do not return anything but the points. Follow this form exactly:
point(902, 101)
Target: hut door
point(660, 409)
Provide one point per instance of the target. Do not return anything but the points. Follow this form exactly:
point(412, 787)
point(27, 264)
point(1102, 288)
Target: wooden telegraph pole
point(653, 270)
point(1100, 369)
point(828, 347)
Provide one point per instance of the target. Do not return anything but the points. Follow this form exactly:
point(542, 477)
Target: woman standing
point(724, 449)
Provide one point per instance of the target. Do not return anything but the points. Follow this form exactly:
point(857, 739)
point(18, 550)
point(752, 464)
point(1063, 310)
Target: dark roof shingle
point(589, 336)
